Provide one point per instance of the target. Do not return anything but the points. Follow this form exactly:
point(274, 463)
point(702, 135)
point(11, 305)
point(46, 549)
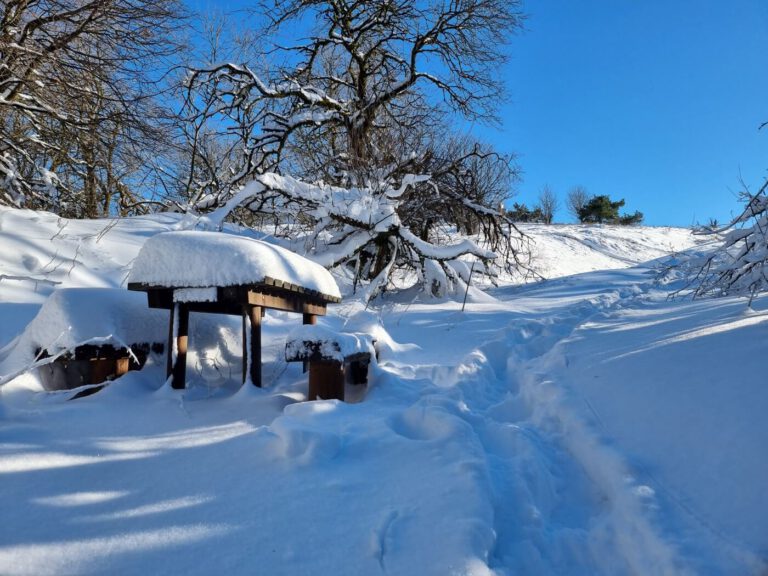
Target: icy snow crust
point(585, 425)
point(196, 259)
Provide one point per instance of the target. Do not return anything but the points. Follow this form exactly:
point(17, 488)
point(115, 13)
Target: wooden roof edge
point(298, 289)
point(140, 286)
point(268, 281)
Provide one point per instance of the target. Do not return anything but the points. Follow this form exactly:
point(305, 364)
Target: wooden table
point(249, 301)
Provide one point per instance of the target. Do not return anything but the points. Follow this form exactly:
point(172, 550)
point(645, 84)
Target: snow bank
point(196, 259)
point(73, 316)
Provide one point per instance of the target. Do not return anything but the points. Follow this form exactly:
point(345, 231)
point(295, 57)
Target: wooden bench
point(334, 358)
point(93, 364)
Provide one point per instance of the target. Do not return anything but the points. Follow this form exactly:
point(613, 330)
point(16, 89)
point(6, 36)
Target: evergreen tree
point(521, 213)
point(600, 209)
point(630, 219)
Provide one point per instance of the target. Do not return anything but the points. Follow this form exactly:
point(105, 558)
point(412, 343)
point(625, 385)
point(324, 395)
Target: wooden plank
point(244, 313)
point(286, 303)
point(182, 336)
point(254, 314)
point(326, 381)
point(160, 298)
point(169, 348)
point(122, 366)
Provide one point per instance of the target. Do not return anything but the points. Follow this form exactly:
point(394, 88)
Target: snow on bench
point(94, 334)
point(331, 356)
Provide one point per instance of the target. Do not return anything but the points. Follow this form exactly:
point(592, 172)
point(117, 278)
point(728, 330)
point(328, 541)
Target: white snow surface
point(583, 425)
point(567, 249)
point(331, 344)
point(200, 259)
point(74, 316)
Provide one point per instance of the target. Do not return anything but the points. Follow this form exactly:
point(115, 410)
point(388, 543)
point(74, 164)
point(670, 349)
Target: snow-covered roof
point(195, 259)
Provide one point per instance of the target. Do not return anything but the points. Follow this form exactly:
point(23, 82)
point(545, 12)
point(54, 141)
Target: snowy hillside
point(566, 249)
point(581, 425)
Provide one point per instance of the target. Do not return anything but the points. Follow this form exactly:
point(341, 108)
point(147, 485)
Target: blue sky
point(654, 101)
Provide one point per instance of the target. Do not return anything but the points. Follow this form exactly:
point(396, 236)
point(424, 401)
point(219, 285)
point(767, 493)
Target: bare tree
point(358, 107)
point(739, 266)
point(76, 99)
point(548, 203)
point(576, 201)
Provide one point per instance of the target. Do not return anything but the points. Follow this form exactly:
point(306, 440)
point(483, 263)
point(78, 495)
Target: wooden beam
point(169, 348)
point(160, 298)
point(310, 319)
point(288, 303)
point(244, 313)
point(254, 314)
point(182, 336)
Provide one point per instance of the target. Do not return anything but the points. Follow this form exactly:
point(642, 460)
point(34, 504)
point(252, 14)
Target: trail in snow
point(560, 497)
point(563, 496)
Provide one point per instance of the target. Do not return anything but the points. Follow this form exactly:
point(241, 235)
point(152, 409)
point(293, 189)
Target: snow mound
point(74, 316)
point(328, 343)
point(196, 259)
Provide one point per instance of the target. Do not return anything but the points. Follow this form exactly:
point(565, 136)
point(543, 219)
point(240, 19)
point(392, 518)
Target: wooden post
point(182, 335)
point(312, 320)
point(99, 369)
point(254, 313)
point(326, 381)
point(245, 343)
point(169, 350)
point(122, 366)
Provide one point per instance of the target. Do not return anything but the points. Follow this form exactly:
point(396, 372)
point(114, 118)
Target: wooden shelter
point(210, 272)
point(249, 301)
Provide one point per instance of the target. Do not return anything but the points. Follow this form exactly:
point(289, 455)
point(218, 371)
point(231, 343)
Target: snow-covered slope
point(566, 249)
point(582, 425)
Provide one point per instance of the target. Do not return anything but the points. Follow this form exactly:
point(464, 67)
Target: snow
point(328, 343)
point(582, 425)
point(199, 259)
point(74, 316)
point(567, 249)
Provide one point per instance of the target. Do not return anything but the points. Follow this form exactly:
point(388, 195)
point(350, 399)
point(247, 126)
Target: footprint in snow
point(425, 423)
point(31, 263)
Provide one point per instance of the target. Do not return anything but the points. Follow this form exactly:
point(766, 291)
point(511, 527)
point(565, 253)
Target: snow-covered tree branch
point(740, 264)
point(78, 118)
point(352, 114)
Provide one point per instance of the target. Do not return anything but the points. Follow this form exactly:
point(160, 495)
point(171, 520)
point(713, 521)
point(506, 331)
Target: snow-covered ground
point(581, 425)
